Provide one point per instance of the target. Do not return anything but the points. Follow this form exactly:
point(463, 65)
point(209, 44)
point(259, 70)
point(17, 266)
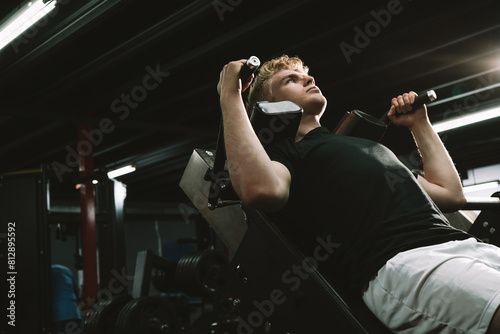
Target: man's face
point(298, 87)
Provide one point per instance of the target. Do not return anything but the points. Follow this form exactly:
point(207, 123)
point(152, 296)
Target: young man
point(390, 242)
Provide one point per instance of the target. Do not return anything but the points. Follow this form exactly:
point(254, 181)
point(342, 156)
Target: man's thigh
point(448, 288)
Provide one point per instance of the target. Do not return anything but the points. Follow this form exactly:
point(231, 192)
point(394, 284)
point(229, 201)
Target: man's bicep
point(445, 200)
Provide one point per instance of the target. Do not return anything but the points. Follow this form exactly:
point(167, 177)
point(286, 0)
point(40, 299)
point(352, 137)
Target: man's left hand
point(403, 114)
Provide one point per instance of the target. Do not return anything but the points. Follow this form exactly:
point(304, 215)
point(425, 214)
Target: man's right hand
point(229, 81)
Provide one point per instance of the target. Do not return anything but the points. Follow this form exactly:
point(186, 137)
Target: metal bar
point(88, 212)
point(482, 203)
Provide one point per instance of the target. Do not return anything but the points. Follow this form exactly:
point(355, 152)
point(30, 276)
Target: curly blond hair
point(260, 89)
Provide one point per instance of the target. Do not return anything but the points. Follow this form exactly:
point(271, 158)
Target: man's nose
point(309, 81)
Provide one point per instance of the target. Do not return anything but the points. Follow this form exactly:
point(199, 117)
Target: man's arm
point(258, 181)
point(441, 181)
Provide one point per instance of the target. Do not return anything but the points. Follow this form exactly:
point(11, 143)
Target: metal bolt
point(485, 224)
point(236, 302)
point(492, 230)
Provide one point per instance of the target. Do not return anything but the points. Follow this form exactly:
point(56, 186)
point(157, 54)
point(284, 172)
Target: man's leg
point(425, 289)
point(495, 323)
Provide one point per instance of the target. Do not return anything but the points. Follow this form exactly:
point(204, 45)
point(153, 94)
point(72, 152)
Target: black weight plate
point(146, 315)
point(210, 270)
point(90, 321)
point(183, 274)
point(191, 276)
point(106, 319)
point(121, 320)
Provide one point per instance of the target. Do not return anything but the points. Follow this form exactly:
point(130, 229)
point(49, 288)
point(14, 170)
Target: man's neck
point(307, 123)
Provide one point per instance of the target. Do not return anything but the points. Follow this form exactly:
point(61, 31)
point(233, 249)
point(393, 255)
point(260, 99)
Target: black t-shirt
point(352, 199)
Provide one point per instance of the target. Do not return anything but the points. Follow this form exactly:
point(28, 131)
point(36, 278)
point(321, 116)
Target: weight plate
point(105, 322)
point(148, 315)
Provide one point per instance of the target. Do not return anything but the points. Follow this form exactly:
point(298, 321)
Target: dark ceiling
point(87, 62)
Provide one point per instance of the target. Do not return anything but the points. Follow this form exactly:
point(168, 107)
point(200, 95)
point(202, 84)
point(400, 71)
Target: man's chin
point(315, 106)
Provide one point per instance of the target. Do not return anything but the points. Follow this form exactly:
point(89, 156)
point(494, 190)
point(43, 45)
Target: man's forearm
point(438, 166)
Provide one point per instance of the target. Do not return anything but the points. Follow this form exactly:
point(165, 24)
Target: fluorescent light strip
point(481, 186)
point(467, 120)
point(463, 95)
point(23, 19)
point(472, 76)
point(121, 171)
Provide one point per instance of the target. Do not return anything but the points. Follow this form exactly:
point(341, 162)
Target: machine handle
point(428, 97)
point(251, 65)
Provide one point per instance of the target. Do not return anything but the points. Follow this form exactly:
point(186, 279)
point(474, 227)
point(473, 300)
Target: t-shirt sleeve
point(417, 173)
point(281, 152)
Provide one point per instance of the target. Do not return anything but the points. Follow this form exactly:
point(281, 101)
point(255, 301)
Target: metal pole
point(87, 201)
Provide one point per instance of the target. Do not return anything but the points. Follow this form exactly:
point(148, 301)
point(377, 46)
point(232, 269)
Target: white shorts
point(447, 288)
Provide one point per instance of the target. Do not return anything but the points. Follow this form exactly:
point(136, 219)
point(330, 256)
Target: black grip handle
point(420, 100)
point(249, 68)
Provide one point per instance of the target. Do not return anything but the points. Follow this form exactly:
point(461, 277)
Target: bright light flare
point(27, 16)
point(121, 171)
